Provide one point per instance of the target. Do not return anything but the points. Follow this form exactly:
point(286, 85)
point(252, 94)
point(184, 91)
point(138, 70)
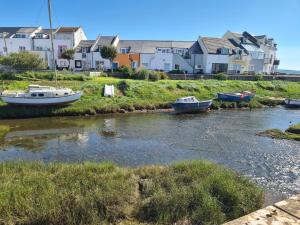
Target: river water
point(227, 137)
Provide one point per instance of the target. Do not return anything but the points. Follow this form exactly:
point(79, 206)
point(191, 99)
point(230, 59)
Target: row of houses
point(234, 53)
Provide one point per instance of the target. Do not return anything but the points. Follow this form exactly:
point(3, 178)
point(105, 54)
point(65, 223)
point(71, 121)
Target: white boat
point(190, 105)
point(42, 95)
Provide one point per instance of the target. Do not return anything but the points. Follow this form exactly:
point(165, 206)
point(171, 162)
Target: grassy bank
point(196, 192)
point(292, 133)
point(139, 95)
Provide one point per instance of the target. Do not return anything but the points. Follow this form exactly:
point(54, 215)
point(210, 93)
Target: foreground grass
point(292, 133)
point(196, 192)
point(139, 95)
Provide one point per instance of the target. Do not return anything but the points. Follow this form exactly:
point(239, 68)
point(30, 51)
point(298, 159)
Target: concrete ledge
point(286, 212)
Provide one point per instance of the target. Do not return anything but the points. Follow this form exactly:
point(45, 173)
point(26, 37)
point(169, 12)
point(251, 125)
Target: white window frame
point(22, 48)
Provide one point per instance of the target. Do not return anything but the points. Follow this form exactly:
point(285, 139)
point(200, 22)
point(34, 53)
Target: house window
point(219, 67)
point(177, 67)
point(124, 50)
point(20, 36)
point(100, 65)
point(224, 51)
point(41, 95)
point(39, 48)
point(61, 49)
point(77, 63)
point(84, 50)
point(134, 64)
point(115, 65)
point(39, 35)
point(84, 55)
point(145, 65)
point(22, 48)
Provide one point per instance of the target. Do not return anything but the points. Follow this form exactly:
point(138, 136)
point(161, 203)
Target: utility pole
point(51, 38)
point(5, 45)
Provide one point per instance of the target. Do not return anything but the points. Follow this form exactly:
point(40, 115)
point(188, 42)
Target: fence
point(294, 78)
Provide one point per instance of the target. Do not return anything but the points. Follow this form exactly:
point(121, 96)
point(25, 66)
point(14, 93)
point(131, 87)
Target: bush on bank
point(198, 192)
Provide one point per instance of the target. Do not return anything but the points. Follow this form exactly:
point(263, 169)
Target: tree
point(110, 53)
point(23, 61)
point(68, 54)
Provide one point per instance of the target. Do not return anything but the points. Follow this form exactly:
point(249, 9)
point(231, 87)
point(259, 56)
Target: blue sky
point(168, 19)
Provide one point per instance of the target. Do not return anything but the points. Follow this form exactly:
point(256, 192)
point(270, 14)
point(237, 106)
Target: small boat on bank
point(190, 105)
point(37, 95)
point(236, 97)
point(292, 103)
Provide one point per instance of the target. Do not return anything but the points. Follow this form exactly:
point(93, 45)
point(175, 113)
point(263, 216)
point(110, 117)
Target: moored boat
point(190, 105)
point(292, 103)
point(236, 97)
point(42, 95)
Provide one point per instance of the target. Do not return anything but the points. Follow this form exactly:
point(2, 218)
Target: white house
point(261, 50)
point(37, 40)
point(221, 55)
point(88, 54)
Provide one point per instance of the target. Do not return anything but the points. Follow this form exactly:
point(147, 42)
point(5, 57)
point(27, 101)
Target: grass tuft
point(65, 194)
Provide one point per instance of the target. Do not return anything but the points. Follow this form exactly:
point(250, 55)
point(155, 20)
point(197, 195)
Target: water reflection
point(226, 137)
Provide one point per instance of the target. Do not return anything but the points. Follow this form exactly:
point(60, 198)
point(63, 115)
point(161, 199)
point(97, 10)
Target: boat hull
point(290, 103)
point(234, 98)
point(191, 107)
point(42, 101)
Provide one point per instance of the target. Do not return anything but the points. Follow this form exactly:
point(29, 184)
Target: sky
point(168, 19)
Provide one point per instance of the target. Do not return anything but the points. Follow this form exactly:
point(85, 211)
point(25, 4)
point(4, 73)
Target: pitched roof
point(67, 29)
point(105, 40)
point(214, 44)
point(150, 46)
point(13, 30)
point(84, 44)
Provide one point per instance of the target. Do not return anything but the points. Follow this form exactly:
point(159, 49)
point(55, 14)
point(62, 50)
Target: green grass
point(292, 133)
point(198, 192)
point(295, 129)
point(138, 95)
point(3, 131)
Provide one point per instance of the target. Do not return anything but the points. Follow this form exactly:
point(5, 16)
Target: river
point(227, 137)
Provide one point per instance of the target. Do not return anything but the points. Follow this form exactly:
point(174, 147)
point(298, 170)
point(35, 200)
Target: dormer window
point(39, 35)
point(124, 50)
point(223, 51)
point(20, 35)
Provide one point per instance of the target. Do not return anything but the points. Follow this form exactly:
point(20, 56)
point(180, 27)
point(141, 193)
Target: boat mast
point(51, 38)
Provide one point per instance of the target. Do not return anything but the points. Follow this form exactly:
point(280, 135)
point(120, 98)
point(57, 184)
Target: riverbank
point(90, 193)
point(132, 95)
point(292, 133)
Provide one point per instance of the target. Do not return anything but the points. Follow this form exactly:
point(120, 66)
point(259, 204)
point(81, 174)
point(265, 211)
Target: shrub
point(154, 76)
point(221, 76)
point(23, 61)
point(163, 76)
point(258, 77)
point(126, 71)
point(143, 74)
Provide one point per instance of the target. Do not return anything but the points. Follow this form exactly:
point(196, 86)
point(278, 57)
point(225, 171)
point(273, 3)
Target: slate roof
point(85, 44)
point(150, 46)
point(13, 30)
point(214, 44)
